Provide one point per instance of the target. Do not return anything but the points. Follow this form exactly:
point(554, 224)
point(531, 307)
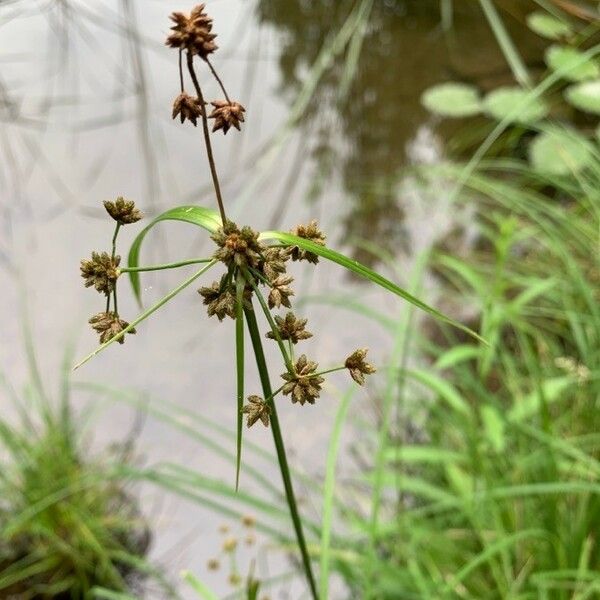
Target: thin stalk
point(211, 159)
point(279, 446)
point(240, 284)
point(147, 313)
point(261, 299)
point(216, 76)
point(332, 370)
point(181, 86)
point(114, 252)
point(175, 265)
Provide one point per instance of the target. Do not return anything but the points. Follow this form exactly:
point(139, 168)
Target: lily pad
point(560, 151)
point(571, 63)
point(452, 100)
point(585, 96)
point(515, 104)
point(548, 26)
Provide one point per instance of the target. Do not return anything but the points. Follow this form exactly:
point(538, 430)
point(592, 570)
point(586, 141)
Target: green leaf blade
point(239, 360)
point(196, 215)
point(289, 239)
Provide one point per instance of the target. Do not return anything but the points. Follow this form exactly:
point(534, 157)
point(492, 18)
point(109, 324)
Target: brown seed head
point(290, 328)
point(220, 299)
point(303, 385)
point(358, 366)
point(187, 107)
point(227, 115)
point(237, 247)
point(101, 272)
point(123, 211)
point(256, 409)
point(312, 233)
point(280, 291)
point(229, 545)
point(108, 324)
point(273, 263)
point(192, 33)
point(213, 564)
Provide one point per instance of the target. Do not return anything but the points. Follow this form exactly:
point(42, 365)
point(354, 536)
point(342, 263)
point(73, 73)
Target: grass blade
point(198, 586)
point(147, 313)
point(261, 364)
point(328, 495)
point(240, 284)
point(196, 215)
point(289, 239)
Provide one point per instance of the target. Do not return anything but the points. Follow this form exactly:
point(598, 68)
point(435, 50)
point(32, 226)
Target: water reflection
point(403, 49)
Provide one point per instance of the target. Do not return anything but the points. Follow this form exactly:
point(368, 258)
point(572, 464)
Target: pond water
point(85, 97)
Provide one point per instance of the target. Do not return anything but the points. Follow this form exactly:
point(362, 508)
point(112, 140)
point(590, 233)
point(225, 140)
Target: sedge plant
point(255, 271)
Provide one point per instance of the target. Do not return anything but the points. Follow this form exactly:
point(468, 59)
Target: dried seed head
point(358, 366)
point(237, 247)
point(123, 211)
point(108, 324)
point(312, 233)
point(303, 385)
point(273, 263)
point(220, 299)
point(280, 291)
point(235, 579)
point(193, 33)
point(101, 271)
point(256, 409)
point(213, 564)
point(227, 115)
point(290, 328)
point(187, 107)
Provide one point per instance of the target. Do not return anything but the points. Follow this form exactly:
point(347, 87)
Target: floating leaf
point(452, 100)
point(548, 26)
point(560, 151)
point(573, 64)
point(515, 104)
point(585, 96)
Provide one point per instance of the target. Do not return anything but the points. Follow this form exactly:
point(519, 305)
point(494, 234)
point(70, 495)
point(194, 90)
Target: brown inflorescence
point(101, 271)
point(193, 32)
point(290, 328)
point(187, 108)
point(227, 114)
point(358, 366)
point(108, 325)
point(303, 384)
point(123, 211)
point(312, 233)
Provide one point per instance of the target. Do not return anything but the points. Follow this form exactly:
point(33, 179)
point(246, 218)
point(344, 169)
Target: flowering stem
point(114, 251)
point(175, 265)
point(211, 160)
point(288, 362)
point(216, 76)
point(280, 448)
point(327, 371)
point(181, 71)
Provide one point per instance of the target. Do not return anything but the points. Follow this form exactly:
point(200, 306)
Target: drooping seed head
point(227, 115)
point(108, 325)
point(256, 409)
point(280, 292)
point(187, 107)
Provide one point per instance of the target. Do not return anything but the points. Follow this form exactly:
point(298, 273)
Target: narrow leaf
point(289, 239)
point(196, 215)
point(147, 313)
point(239, 359)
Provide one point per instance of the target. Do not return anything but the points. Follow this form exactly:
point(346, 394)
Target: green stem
point(279, 446)
point(147, 313)
point(261, 299)
point(175, 265)
point(327, 371)
point(240, 284)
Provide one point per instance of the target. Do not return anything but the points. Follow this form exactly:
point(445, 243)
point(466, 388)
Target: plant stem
point(333, 370)
point(288, 362)
point(279, 446)
point(175, 265)
point(216, 76)
point(181, 71)
point(211, 160)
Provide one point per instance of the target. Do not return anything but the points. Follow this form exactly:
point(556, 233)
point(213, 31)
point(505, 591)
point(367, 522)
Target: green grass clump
point(67, 525)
